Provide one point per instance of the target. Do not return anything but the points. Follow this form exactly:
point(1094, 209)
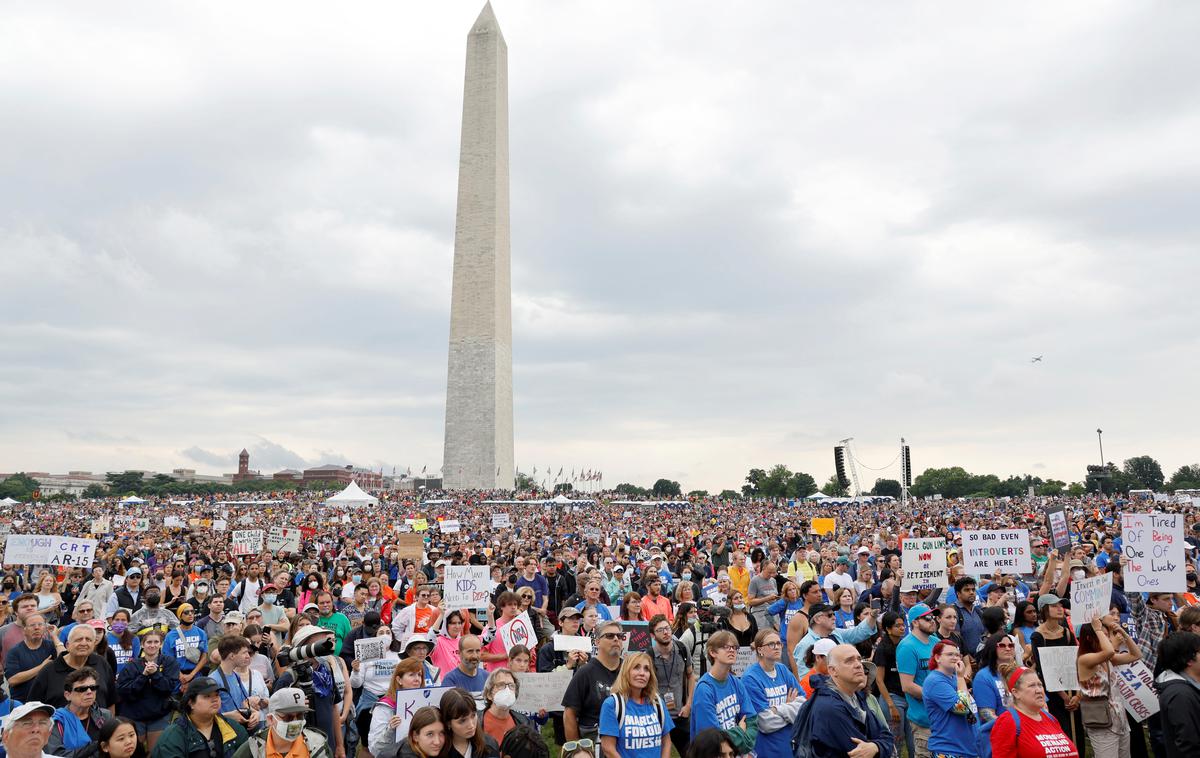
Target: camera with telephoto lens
point(707, 611)
point(300, 658)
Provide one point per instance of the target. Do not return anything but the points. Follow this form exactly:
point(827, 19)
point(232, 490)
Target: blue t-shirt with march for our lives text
point(718, 704)
point(640, 734)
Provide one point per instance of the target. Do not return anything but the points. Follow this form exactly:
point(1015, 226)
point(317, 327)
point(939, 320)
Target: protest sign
point(1090, 599)
point(420, 525)
point(823, 526)
point(245, 520)
point(924, 562)
point(49, 550)
point(1060, 527)
point(592, 533)
point(1004, 550)
point(1058, 666)
point(1152, 552)
point(637, 636)
point(411, 546)
point(501, 521)
point(449, 526)
point(246, 542)
point(745, 657)
point(565, 643)
point(369, 648)
point(409, 702)
point(173, 522)
point(283, 538)
point(467, 587)
point(131, 524)
point(219, 525)
point(542, 691)
point(519, 631)
point(1135, 686)
point(101, 525)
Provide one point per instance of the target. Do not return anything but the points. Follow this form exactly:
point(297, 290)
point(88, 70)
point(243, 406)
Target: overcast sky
point(740, 232)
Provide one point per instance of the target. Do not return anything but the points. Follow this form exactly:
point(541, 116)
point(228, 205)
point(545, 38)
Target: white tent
point(133, 500)
point(352, 495)
point(817, 496)
point(9, 501)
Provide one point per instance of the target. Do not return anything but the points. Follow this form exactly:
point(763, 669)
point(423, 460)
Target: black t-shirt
point(885, 659)
point(587, 692)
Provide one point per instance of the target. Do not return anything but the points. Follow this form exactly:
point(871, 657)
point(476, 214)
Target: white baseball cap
point(24, 710)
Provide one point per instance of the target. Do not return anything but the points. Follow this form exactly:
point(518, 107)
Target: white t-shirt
point(835, 580)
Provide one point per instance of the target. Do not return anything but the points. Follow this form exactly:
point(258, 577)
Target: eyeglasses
point(1005, 644)
point(33, 724)
point(584, 743)
point(729, 648)
point(85, 688)
point(772, 645)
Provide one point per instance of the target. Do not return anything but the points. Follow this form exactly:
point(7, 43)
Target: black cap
point(818, 609)
point(202, 685)
point(372, 619)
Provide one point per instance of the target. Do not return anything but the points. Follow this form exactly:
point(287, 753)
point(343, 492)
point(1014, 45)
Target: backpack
point(1016, 717)
point(620, 702)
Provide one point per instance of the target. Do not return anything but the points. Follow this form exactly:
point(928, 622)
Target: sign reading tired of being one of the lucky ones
point(49, 550)
point(283, 538)
point(246, 542)
point(467, 587)
point(1060, 527)
point(1152, 552)
point(924, 562)
point(409, 702)
point(1090, 599)
point(1003, 550)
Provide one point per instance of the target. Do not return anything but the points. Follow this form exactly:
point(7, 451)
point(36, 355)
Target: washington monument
point(479, 405)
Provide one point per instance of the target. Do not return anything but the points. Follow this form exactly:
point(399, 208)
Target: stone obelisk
point(479, 410)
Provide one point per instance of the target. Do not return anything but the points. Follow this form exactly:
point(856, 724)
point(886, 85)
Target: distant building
point(244, 473)
point(364, 477)
point(288, 475)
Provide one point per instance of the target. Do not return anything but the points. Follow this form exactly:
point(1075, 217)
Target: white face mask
point(288, 730)
point(505, 698)
point(313, 585)
point(1078, 574)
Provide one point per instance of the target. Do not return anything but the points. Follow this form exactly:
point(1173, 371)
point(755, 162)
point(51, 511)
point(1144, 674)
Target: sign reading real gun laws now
point(49, 550)
point(924, 563)
point(467, 587)
point(1152, 552)
point(283, 538)
point(246, 542)
point(1003, 550)
point(1090, 599)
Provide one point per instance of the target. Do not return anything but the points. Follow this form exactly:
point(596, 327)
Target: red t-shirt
point(1038, 739)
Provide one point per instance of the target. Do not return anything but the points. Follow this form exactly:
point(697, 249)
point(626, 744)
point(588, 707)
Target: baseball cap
point(288, 700)
point(819, 608)
point(234, 617)
point(864, 550)
point(568, 612)
point(824, 646)
point(843, 560)
point(268, 586)
point(917, 611)
point(305, 633)
point(133, 570)
point(1048, 599)
point(201, 685)
point(1076, 564)
point(21, 711)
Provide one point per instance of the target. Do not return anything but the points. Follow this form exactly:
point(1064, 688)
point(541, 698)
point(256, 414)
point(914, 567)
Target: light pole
point(1100, 439)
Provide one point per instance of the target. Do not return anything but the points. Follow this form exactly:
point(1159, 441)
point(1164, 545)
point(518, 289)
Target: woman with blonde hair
point(633, 710)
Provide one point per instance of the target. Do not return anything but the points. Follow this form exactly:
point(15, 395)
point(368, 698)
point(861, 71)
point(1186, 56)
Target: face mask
point(739, 606)
point(505, 698)
point(313, 585)
point(288, 730)
point(387, 634)
point(152, 601)
point(119, 627)
point(1078, 574)
point(357, 578)
point(269, 599)
point(693, 619)
point(687, 576)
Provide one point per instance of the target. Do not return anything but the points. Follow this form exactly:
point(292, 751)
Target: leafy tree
point(887, 487)
point(126, 482)
point(754, 480)
point(524, 481)
point(801, 485)
point(626, 488)
point(1051, 488)
point(1076, 489)
point(563, 487)
point(666, 488)
point(728, 495)
point(1145, 471)
point(698, 493)
point(1186, 478)
point(19, 487)
point(947, 482)
point(833, 488)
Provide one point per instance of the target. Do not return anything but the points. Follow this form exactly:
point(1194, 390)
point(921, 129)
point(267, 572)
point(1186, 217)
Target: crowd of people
point(703, 628)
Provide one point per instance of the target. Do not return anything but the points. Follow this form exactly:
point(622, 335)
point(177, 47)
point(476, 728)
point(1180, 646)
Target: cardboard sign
point(467, 587)
point(49, 550)
point(449, 526)
point(1003, 550)
point(924, 563)
point(246, 542)
point(1090, 599)
point(501, 521)
point(1060, 526)
point(411, 546)
point(283, 538)
point(1152, 552)
point(519, 631)
point(369, 648)
point(564, 643)
point(409, 702)
point(542, 691)
point(823, 526)
point(1058, 666)
point(1135, 686)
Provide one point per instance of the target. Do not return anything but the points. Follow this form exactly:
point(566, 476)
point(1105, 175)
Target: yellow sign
point(420, 525)
point(823, 526)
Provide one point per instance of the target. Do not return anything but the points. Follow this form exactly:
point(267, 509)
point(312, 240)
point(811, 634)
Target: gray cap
point(288, 700)
point(1048, 599)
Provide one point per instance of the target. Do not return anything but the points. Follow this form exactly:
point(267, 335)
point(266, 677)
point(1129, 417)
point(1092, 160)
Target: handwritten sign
point(564, 643)
point(49, 550)
point(1003, 550)
point(1135, 687)
point(1152, 552)
point(542, 691)
point(467, 587)
point(101, 525)
point(924, 564)
point(283, 538)
point(501, 521)
point(1058, 667)
point(1060, 527)
point(173, 522)
point(1090, 599)
point(131, 524)
point(822, 526)
point(637, 636)
point(246, 542)
point(420, 525)
point(409, 702)
point(745, 657)
point(220, 525)
point(449, 526)
point(519, 631)
point(411, 546)
point(369, 648)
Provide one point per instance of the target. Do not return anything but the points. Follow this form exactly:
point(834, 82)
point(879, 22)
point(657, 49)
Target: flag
point(497, 471)
point(560, 470)
point(423, 469)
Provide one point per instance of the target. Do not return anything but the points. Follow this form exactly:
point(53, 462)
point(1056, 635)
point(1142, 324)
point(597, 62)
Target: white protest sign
point(246, 520)
point(519, 631)
point(101, 525)
point(467, 587)
point(1135, 686)
point(1058, 666)
point(173, 522)
point(745, 657)
point(219, 525)
point(246, 542)
point(1090, 599)
point(131, 524)
point(1152, 552)
point(283, 538)
point(542, 691)
point(369, 648)
point(409, 702)
point(449, 526)
point(924, 563)
point(501, 521)
point(564, 643)
point(1004, 550)
point(49, 550)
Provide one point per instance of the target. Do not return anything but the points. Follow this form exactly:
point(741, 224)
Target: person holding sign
point(1053, 631)
point(1103, 715)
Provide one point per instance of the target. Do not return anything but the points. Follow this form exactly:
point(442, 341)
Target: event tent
point(9, 501)
point(817, 496)
point(133, 500)
point(352, 495)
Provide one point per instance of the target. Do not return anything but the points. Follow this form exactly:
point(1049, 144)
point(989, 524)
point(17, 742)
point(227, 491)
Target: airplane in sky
point(1036, 359)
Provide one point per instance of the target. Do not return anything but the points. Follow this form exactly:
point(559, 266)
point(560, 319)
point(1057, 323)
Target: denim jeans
point(902, 731)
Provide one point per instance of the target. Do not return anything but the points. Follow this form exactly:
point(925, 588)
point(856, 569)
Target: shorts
point(157, 725)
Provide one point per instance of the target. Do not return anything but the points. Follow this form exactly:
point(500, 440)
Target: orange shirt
point(650, 607)
point(496, 728)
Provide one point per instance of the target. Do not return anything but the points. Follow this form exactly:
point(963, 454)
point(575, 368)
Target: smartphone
point(481, 615)
point(876, 604)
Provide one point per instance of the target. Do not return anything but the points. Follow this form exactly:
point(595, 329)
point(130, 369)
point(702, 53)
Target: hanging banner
point(49, 550)
point(467, 587)
point(1152, 552)
point(283, 538)
point(924, 562)
point(1003, 550)
point(246, 542)
point(1090, 599)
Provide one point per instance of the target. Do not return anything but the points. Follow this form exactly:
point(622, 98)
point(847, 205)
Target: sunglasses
point(85, 688)
point(613, 636)
point(584, 743)
point(1006, 644)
